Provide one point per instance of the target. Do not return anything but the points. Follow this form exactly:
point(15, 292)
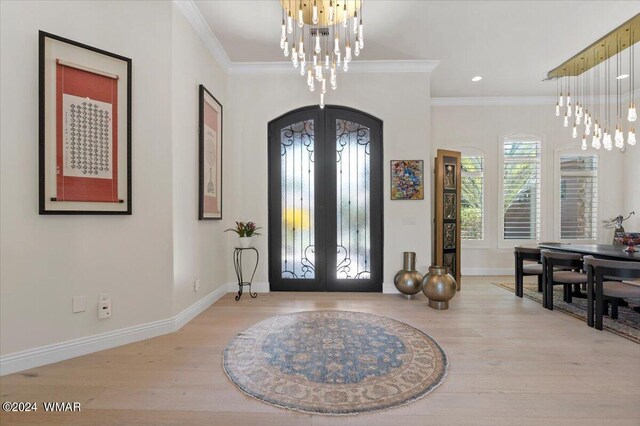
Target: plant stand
point(237, 264)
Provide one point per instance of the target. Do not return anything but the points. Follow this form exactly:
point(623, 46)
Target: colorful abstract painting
point(407, 180)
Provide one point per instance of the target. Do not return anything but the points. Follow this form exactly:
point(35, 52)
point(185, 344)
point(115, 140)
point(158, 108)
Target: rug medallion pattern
point(334, 362)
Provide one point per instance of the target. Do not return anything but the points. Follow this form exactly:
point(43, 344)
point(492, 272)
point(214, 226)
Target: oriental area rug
point(334, 362)
point(627, 325)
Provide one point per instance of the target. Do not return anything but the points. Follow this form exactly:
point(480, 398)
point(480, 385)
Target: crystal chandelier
point(320, 37)
point(588, 76)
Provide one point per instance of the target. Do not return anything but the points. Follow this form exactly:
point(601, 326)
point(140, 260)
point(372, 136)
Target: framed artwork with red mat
point(85, 129)
point(210, 161)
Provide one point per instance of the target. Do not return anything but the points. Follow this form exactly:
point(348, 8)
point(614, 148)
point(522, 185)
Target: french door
point(325, 201)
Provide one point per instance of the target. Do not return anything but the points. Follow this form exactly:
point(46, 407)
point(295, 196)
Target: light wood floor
point(511, 362)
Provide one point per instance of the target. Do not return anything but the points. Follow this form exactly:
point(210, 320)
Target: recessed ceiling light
point(622, 76)
point(476, 78)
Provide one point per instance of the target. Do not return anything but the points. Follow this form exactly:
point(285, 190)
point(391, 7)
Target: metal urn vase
point(408, 281)
point(439, 287)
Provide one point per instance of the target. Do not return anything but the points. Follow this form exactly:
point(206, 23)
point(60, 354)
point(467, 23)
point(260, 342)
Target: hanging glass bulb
point(314, 16)
point(568, 99)
point(321, 100)
point(569, 110)
point(294, 54)
point(578, 110)
point(286, 48)
point(289, 23)
point(301, 49)
point(327, 60)
point(312, 86)
point(347, 55)
point(283, 34)
point(303, 66)
point(345, 66)
point(355, 22)
point(619, 138)
point(282, 40)
point(345, 16)
point(338, 57)
point(632, 116)
point(594, 142)
point(319, 72)
point(607, 141)
point(331, 12)
point(587, 130)
point(300, 17)
point(360, 33)
point(566, 120)
point(561, 100)
point(324, 86)
point(631, 137)
point(574, 132)
point(309, 77)
point(315, 61)
point(578, 120)
point(336, 45)
point(557, 109)
point(584, 142)
point(356, 49)
point(317, 49)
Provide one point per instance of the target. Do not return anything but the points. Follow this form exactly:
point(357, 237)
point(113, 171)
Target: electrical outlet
point(78, 304)
point(196, 285)
point(104, 309)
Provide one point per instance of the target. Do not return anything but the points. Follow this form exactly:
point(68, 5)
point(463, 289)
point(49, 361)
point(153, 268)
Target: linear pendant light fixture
point(321, 36)
point(588, 76)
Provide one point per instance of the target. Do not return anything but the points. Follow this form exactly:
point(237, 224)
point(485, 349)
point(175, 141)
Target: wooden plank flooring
point(511, 362)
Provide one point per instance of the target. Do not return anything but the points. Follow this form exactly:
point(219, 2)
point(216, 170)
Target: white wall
point(145, 262)
point(482, 127)
point(631, 187)
point(199, 246)
point(401, 101)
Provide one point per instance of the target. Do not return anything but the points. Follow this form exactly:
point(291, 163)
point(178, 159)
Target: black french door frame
point(325, 201)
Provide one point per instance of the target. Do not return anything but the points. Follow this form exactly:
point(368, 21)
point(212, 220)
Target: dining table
point(602, 251)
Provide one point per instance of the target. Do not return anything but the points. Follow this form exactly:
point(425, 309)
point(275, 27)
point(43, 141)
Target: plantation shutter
point(472, 204)
point(521, 189)
point(578, 197)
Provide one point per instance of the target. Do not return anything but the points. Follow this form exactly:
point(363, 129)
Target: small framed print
point(210, 182)
point(449, 205)
point(407, 180)
point(85, 129)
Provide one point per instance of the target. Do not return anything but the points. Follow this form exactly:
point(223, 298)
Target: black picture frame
point(203, 142)
point(47, 204)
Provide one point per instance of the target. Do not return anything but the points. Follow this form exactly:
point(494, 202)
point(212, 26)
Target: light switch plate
point(78, 304)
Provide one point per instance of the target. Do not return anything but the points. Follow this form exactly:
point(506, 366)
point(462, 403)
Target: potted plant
point(245, 231)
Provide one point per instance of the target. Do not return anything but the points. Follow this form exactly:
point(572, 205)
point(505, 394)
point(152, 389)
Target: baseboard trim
point(487, 271)
point(43, 355)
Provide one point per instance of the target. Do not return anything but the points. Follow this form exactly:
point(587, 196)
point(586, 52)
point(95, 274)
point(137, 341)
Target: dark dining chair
point(569, 276)
point(527, 264)
point(601, 290)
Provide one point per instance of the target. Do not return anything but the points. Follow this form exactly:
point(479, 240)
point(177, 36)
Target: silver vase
point(439, 286)
point(408, 281)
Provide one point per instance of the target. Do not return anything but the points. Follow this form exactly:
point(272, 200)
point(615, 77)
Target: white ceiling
point(512, 44)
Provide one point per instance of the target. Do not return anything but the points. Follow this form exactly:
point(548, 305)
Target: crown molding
point(494, 101)
point(356, 67)
point(199, 24)
point(190, 10)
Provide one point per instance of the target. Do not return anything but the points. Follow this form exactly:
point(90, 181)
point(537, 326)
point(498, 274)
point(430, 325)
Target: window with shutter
point(578, 197)
point(521, 189)
point(472, 204)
